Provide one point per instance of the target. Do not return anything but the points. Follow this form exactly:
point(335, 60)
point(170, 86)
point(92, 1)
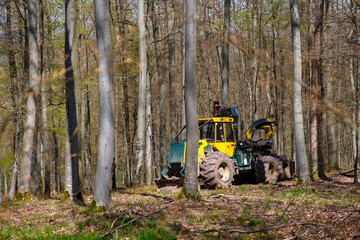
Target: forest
point(92, 93)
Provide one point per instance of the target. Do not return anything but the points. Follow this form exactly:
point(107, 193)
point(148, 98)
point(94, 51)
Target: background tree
point(140, 144)
point(72, 180)
point(191, 182)
point(105, 158)
point(297, 102)
point(26, 166)
point(225, 54)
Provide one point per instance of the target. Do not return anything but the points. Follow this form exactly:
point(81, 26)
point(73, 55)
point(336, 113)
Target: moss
point(18, 197)
point(93, 208)
point(183, 194)
point(65, 196)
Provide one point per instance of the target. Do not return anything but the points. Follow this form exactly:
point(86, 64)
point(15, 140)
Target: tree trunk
point(191, 182)
point(357, 84)
point(16, 93)
point(45, 135)
point(102, 193)
point(297, 104)
point(148, 149)
point(162, 87)
point(29, 126)
point(171, 49)
point(1, 189)
point(140, 144)
point(72, 181)
point(225, 55)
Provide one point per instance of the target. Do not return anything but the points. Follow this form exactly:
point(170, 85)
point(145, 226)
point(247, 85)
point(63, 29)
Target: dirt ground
point(325, 209)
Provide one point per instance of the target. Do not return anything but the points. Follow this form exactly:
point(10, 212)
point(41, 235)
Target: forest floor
point(327, 209)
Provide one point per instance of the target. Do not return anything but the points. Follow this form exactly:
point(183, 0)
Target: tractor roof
point(218, 119)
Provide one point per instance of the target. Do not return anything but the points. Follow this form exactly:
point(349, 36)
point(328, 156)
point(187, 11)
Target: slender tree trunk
point(72, 181)
point(297, 104)
point(29, 126)
point(171, 49)
point(1, 189)
point(141, 117)
point(191, 182)
point(16, 92)
point(45, 135)
point(225, 54)
point(102, 193)
point(162, 87)
point(318, 89)
point(357, 85)
point(148, 151)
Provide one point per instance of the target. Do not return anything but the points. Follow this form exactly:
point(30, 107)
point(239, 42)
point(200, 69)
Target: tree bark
point(225, 54)
point(141, 117)
point(72, 180)
point(103, 184)
point(45, 135)
point(162, 87)
point(171, 49)
point(148, 148)
point(191, 182)
point(29, 126)
point(297, 103)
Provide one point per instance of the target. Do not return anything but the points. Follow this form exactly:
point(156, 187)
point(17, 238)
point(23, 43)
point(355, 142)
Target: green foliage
point(93, 209)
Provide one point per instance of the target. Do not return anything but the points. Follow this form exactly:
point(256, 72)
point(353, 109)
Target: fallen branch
point(110, 232)
point(286, 209)
point(234, 230)
point(344, 173)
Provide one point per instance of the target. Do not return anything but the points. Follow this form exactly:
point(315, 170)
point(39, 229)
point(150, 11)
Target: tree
point(106, 147)
point(225, 54)
point(141, 117)
point(191, 182)
point(29, 125)
point(72, 181)
point(162, 86)
point(297, 104)
point(170, 17)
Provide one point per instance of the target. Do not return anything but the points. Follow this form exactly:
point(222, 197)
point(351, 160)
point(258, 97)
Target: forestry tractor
point(221, 156)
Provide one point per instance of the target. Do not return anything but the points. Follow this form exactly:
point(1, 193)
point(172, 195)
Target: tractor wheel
point(266, 170)
point(217, 170)
point(284, 167)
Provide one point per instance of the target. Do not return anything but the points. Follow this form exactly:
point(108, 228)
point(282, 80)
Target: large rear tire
point(217, 170)
point(266, 170)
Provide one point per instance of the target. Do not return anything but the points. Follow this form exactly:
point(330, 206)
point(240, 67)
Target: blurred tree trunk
point(191, 182)
point(29, 125)
point(44, 133)
point(148, 148)
point(170, 17)
point(357, 85)
point(141, 117)
point(16, 95)
point(162, 86)
point(225, 55)
point(297, 104)
point(1, 188)
point(72, 179)
point(105, 158)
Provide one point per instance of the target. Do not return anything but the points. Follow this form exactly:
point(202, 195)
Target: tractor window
point(220, 132)
point(210, 132)
point(229, 132)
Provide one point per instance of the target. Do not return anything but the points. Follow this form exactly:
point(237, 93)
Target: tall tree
point(297, 103)
point(225, 54)
point(170, 17)
point(140, 144)
point(317, 90)
point(29, 125)
point(162, 86)
point(191, 182)
point(16, 95)
point(72, 181)
point(105, 158)
point(44, 133)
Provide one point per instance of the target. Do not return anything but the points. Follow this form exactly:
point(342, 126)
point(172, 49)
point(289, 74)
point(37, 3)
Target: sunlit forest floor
point(327, 209)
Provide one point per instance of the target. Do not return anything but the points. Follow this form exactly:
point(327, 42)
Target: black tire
point(217, 170)
point(266, 170)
